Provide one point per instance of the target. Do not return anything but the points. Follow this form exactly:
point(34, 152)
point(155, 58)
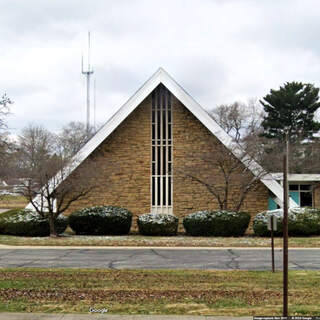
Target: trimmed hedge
point(101, 220)
point(301, 222)
point(158, 224)
point(29, 223)
point(216, 223)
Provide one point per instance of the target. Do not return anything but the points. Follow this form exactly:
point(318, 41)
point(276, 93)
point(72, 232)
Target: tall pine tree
point(291, 109)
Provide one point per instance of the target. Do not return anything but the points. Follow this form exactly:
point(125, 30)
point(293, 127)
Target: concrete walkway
point(46, 316)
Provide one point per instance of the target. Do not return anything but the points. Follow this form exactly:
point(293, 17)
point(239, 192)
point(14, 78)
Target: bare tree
point(227, 178)
point(239, 119)
point(6, 145)
point(8, 158)
point(304, 156)
point(4, 141)
point(73, 137)
point(36, 146)
point(231, 118)
point(54, 186)
point(50, 184)
point(242, 121)
point(4, 110)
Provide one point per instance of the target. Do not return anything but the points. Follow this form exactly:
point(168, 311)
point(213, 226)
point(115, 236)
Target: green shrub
point(301, 222)
point(29, 223)
point(216, 223)
point(101, 220)
point(158, 224)
point(61, 223)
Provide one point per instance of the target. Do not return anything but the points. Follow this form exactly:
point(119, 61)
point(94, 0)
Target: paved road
point(117, 258)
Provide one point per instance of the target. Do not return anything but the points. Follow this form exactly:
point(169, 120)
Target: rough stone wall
point(123, 161)
point(316, 197)
point(191, 140)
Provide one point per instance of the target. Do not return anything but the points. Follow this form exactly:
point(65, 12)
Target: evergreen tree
point(291, 109)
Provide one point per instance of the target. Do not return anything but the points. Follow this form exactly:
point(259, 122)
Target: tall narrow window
point(161, 160)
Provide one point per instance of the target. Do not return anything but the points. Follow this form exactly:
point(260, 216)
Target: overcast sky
point(218, 50)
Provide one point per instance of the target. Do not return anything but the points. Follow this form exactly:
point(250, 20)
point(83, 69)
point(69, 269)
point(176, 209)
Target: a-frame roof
point(161, 76)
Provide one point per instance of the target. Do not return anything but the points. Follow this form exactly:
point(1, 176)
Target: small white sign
point(274, 220)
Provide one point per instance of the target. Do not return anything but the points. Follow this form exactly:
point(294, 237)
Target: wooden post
point(272, 244)
point(285, 227)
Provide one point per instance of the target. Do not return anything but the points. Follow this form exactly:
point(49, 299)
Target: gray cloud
point(287, 25)
point(219, 51)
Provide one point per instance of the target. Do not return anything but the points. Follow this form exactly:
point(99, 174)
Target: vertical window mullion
point(152, 149)
point(161, 162)
point(156, 150)
point(161, 140)
point(171, 143)
point(164, 162)
point(167, 139)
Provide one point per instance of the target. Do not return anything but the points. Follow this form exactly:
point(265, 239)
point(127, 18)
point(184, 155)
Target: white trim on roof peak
point(162, 76)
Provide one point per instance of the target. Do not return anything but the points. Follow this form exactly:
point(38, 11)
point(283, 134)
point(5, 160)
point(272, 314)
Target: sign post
point(272, 226)
point(285, 227)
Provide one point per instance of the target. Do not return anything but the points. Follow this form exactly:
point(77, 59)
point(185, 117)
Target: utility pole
point(88, 72)
point(285, 225)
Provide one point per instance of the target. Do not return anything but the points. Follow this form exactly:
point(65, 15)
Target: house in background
point(3, 183)
point(13, 186)
point(3, 188)
point(304, 189)
point(140, 151)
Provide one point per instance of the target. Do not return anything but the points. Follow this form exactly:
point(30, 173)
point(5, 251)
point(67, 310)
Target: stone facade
point(316, 197)
point(123, 161)
point(191, 140)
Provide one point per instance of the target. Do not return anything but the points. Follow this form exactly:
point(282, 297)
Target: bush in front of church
point(29, 223)
point(301, 222)
point(101, 220)
point(220, 223)
point(156, 224)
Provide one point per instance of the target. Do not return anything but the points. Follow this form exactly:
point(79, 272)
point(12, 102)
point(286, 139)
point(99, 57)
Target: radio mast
point(88, 72)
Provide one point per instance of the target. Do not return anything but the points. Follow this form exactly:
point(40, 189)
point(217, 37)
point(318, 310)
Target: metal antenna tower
point(87, 73)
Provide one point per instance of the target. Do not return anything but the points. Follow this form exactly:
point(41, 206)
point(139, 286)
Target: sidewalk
point(75, 316)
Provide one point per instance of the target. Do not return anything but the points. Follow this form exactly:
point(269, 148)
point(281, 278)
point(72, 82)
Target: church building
point(142, 152)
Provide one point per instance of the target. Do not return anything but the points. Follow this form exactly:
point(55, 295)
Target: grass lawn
point(179, 241)
point(238, 293)
point(12, 202)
